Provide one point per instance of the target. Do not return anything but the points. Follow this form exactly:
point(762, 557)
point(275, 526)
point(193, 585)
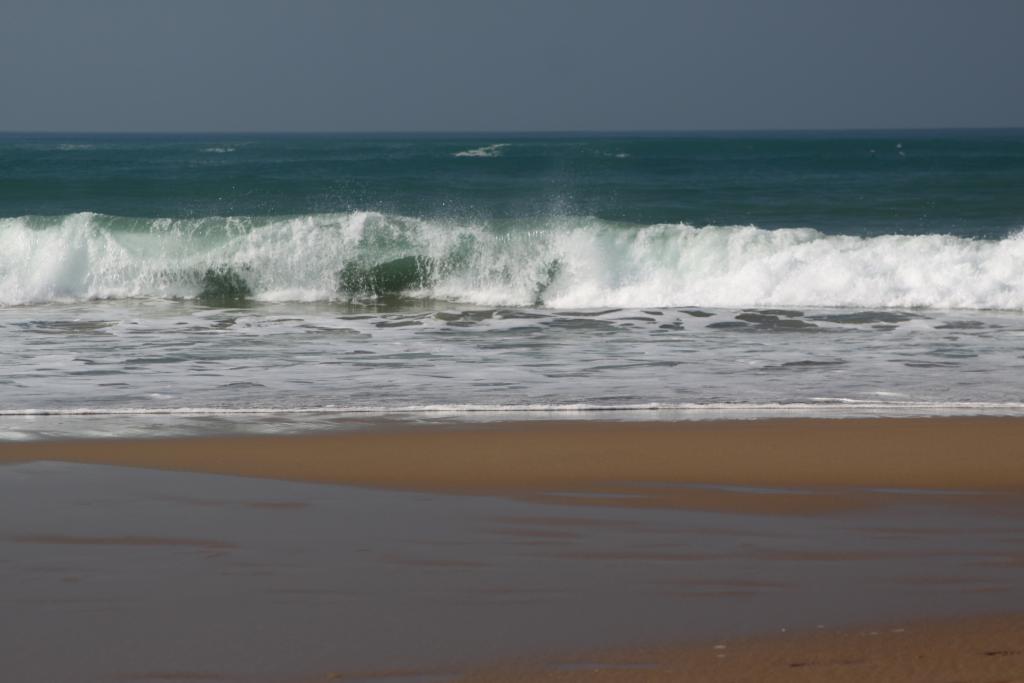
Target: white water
point(156, 366)
point(563, 263)
point(483, 152)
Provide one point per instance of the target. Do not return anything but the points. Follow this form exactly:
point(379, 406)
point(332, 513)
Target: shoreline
point(758, 466)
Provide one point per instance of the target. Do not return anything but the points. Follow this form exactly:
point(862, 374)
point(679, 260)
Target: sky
point(510, 65)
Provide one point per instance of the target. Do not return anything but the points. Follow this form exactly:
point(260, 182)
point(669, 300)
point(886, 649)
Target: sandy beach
point(849, 462)
point(552, 551)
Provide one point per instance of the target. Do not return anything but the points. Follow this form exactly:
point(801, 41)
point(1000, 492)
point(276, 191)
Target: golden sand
point(846, 463)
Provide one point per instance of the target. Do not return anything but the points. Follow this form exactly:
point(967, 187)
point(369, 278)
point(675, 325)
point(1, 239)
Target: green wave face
point(387, 279)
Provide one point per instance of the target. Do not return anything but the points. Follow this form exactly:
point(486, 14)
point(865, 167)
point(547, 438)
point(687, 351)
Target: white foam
point(839, 407)
point(564, 263)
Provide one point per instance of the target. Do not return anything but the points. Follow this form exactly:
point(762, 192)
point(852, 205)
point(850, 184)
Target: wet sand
point(967, 650)
point(853, 461)
point(632, 549)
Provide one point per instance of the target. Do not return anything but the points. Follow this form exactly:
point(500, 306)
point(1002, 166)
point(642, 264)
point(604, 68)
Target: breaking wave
point(558, 262)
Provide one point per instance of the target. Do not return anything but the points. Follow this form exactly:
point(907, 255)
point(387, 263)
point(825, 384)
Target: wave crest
point(559, 263)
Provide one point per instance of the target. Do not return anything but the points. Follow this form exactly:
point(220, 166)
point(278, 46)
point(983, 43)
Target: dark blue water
point(967, 183)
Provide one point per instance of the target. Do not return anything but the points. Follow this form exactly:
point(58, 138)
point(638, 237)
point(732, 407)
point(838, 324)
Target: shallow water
point(157, 367)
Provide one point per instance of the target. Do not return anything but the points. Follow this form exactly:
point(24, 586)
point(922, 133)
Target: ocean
point(196, 284)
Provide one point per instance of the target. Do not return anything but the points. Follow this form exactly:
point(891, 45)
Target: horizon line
point(567, 131)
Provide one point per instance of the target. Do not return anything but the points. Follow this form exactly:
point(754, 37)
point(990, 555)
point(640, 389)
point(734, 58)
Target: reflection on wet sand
point(205, 577)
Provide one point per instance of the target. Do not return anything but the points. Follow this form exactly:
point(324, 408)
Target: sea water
point(182, 284)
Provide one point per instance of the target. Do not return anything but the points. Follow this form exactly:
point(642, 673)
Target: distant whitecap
point(488, 151)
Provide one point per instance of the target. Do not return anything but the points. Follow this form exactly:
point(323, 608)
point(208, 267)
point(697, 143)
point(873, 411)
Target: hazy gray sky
point(418, 65)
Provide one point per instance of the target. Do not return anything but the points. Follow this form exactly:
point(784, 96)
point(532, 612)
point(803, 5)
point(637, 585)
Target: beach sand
point(852, 462)
point(605, 551)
